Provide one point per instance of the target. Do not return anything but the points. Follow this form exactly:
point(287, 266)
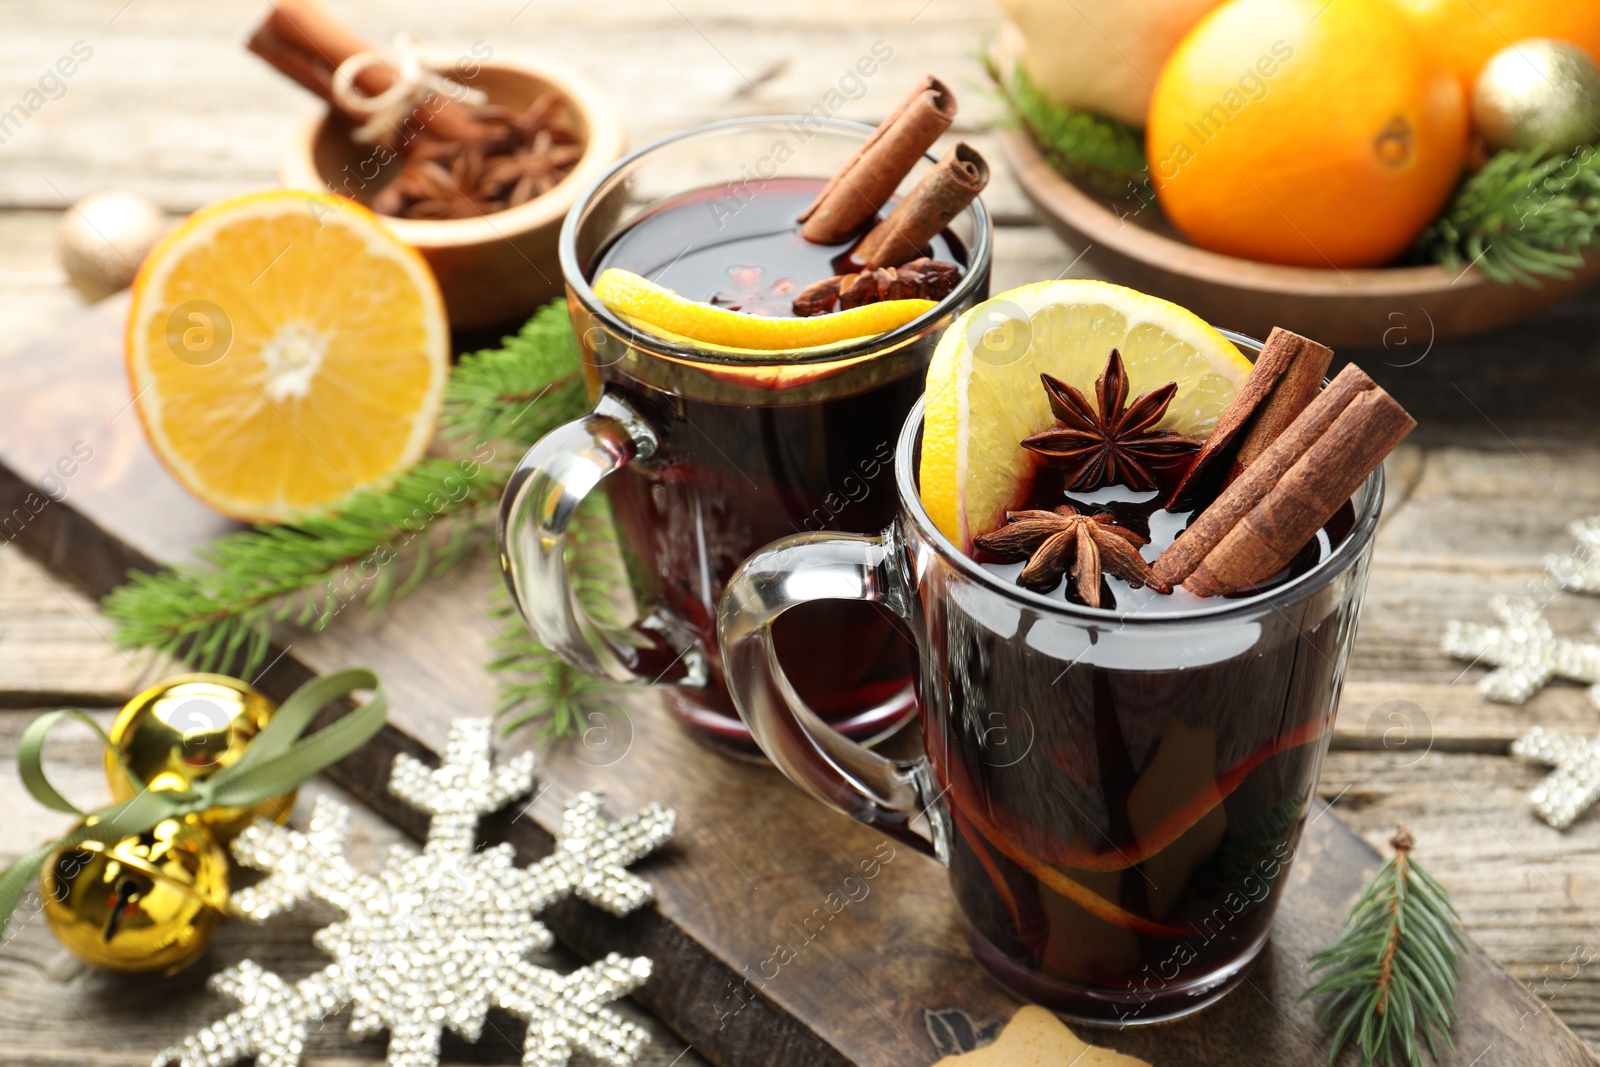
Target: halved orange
point(286, 350)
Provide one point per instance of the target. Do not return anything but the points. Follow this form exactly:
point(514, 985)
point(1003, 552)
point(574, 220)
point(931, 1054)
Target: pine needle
point(1103, 153)
point(1393, 973)
point(218, 614)
point(520, 391)
point(1525, 216)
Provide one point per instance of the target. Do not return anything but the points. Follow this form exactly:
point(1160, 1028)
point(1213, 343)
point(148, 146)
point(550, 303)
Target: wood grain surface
point(755, 857)
point(1507, 453)
point(117, 1020)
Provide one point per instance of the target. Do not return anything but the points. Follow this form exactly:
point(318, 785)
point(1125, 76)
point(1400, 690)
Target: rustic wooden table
point(1508, 451)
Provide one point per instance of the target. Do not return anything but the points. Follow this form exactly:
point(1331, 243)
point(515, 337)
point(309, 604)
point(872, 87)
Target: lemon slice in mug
point(662, 311)
point(984, 394)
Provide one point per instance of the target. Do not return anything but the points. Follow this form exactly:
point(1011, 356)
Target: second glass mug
point(1117, 797)
point(706, 456)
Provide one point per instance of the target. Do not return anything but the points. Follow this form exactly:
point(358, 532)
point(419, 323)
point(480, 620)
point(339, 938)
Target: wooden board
point(62, 1013)
point(172, 106)
point(753, 856)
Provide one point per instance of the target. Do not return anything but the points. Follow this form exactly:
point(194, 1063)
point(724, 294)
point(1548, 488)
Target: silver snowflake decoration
point(1580, 572)
point(439, 936)
point(1573, 786)
point(1524, 651)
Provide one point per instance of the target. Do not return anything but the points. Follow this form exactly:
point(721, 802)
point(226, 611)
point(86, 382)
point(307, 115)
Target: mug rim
point(1344, 555)
point(578, 288)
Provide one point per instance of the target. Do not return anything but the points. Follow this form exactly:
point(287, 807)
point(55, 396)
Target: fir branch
point(218, 614)
point(1525, 216)
point(520, 391)
point(1394, 972)
point(1103, 153)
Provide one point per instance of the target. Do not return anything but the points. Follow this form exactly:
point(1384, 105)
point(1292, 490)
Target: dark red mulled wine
point(1144, 514)
point(1118, 793)
point(1120, 817)
point(745, 455)
point(745, 252)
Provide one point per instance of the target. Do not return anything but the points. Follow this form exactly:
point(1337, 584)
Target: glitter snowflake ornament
point(1580, 572)
point(438, 937)
point(1574, 784)
point(1524, 650)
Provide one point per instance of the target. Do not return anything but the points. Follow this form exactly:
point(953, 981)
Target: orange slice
point(664, 312)
point(286, 350)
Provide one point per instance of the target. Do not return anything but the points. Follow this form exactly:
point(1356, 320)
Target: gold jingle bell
point(146, 904)
point(187, 728)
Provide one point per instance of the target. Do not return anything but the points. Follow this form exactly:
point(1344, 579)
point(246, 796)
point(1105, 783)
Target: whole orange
point(1465, 33)
point(1305, 132)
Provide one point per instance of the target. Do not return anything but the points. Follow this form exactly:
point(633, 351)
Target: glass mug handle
point(895, 796)
point(540, 500)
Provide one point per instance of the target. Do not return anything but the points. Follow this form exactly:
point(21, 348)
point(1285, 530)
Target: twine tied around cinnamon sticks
point(415, 80)
point(302, 39)
point(461, 155)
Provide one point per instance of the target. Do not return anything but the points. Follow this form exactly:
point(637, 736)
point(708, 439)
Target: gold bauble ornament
point(187, 728)
point(104, 237)
point(146, 904)
point(1538, 93)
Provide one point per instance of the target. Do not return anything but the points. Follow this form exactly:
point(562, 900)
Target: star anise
point(523, 175)
point(921, 279)
point(1055, 541)
point(518, 156)
point(1115, 445)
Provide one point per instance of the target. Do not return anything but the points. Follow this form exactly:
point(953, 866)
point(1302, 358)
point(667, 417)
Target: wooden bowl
point(1387, 306)
point(498, 268)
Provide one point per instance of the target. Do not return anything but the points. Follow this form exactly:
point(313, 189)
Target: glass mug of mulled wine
point(1117, 791)
point(705, 455)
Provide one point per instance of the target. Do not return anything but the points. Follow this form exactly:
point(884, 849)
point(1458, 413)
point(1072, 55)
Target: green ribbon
point(277, 760)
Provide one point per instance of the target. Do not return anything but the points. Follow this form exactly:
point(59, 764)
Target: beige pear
point(1102, 57)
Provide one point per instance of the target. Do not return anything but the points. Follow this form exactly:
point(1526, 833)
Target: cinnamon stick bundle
point(1283, 381)
point(943, 193)
point(867, 180)
point(305, 41)
point(1293, 488)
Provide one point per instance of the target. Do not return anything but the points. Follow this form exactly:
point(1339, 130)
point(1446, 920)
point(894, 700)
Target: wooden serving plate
point(756, 862)
point(494, 268)
point(1365, 308)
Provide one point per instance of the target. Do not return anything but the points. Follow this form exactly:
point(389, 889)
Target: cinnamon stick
point(1207, 531)
point(1296, 389)
point(867, 180)
point(305, 41)
point(1284, 379)
point(942, 194)
point(1310, 493)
